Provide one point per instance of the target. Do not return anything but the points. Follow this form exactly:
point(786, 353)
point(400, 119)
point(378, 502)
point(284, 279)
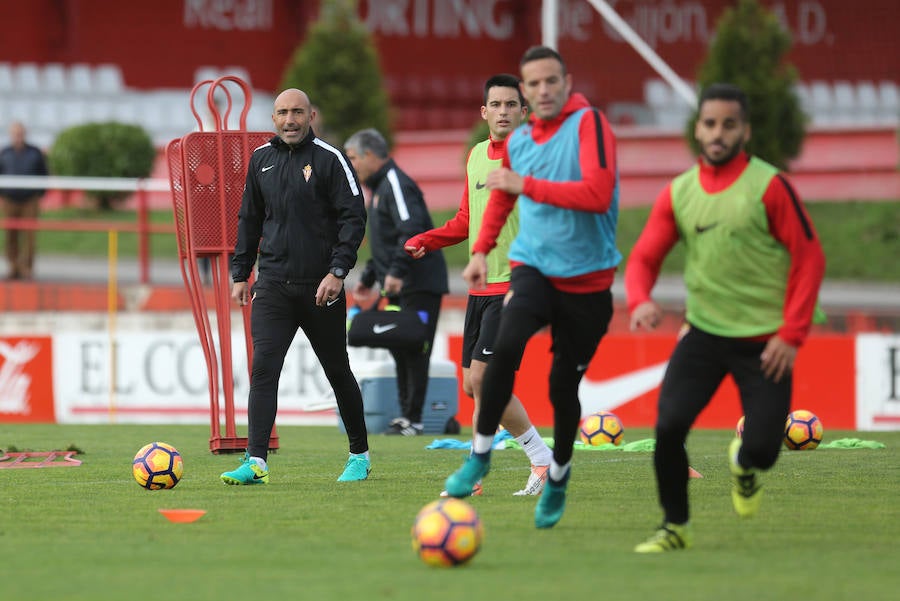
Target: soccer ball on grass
point(602, 428)
point(447, 532)
point(803, 430)
point(157, 465)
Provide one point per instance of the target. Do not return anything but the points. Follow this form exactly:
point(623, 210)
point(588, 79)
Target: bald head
point(17, 134)
point(292, 115)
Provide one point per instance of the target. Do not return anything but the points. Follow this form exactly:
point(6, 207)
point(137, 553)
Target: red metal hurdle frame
point(207, 170)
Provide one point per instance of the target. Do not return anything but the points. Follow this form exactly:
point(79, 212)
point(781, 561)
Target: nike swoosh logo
point(608, 394)
point(264, 169)
point(484, 351)
point(258, 477)
point(703, 228)
point(328, 303)
point(381, 329)
point(479, 185)
point(540, 169)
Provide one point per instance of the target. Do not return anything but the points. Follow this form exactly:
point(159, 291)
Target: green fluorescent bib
point(477, 168)
point(735, 272)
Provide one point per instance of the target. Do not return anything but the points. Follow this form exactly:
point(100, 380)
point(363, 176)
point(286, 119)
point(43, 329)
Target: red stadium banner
point(435, 54)
point(26, 379)
point(625, 374)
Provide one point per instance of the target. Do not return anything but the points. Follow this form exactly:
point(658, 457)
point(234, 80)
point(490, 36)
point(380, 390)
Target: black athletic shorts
point(480, 329)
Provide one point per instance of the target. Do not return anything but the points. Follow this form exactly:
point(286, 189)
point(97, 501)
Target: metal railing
point(141, 227)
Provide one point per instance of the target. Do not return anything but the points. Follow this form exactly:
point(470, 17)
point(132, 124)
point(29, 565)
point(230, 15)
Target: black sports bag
point(391, 329)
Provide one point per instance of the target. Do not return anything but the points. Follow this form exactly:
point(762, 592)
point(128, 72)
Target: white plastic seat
point(108, 79)
point(260, 116)
point(18, 109)
point(100, 110)
point(867, 100)
point(657, 93)
point(6, 77)
point(206, 72)
point(801, 90)
point(26, 77)
point(889, 101)
point(821, 103)
point(75, 113)
point(80, 78)
point(845, 103)
point(46, 114)
point(53, 78)
point(46, 110)
point(239, 72)
point(125, 109)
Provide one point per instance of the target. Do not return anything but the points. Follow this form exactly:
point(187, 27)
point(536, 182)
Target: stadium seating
point(26, 78)
point(6, 78)
point(80, 79)
point(669, 110)
point(889, 102)
point(839, 104)
point(50, 97)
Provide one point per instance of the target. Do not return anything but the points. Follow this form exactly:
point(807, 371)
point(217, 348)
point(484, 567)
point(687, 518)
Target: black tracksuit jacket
point(303, 208)
point(397, 212)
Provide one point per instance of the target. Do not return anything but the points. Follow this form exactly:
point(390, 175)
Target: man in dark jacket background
point(397, 211)
point(21, 158)
point(303, 218)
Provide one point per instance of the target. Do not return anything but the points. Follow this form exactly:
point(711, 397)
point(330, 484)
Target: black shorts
point(480, 329)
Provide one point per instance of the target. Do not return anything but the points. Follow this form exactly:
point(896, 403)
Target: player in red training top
point(503, 109)
point(753, 270)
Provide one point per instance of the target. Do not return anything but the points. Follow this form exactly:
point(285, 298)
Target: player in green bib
point(503, 109)
point(753, 270)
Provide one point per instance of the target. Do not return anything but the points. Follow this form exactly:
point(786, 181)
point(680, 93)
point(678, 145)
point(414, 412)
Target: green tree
point(107, 149)
point(748, 51)
point(337, 66)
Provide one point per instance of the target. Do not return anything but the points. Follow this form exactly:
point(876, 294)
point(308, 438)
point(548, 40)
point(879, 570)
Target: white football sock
point(557, 471)
point(535, 447)
point(260, 462)
point(482, 443)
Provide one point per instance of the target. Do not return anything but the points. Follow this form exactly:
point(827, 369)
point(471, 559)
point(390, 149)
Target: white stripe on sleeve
point(347, 171)
point(398, 195)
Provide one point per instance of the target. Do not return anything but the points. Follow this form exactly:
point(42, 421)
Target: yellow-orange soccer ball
point(803, 431)
point(447, 532)
point(602, 428)
point(157, 465)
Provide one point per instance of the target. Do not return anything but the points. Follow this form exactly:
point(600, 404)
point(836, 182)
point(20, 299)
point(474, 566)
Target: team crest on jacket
point(307, 171)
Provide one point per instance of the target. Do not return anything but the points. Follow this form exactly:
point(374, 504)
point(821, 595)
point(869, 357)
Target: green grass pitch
point(828, 529)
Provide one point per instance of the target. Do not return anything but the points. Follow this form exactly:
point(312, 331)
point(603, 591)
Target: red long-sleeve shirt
point(789, 224)
point(456, 229)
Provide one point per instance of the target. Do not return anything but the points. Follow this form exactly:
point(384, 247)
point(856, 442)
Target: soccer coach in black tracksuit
point(397, 211)
point(303, 209)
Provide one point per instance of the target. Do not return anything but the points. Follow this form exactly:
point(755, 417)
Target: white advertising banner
point(162, 378)
point(878, 382)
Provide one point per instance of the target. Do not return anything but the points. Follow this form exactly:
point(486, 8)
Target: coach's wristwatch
point(339, 272)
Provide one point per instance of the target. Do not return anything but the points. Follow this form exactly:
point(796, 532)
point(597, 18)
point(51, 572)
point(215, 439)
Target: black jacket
point(27, 161)
point(397, 212)
point(306, 204)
